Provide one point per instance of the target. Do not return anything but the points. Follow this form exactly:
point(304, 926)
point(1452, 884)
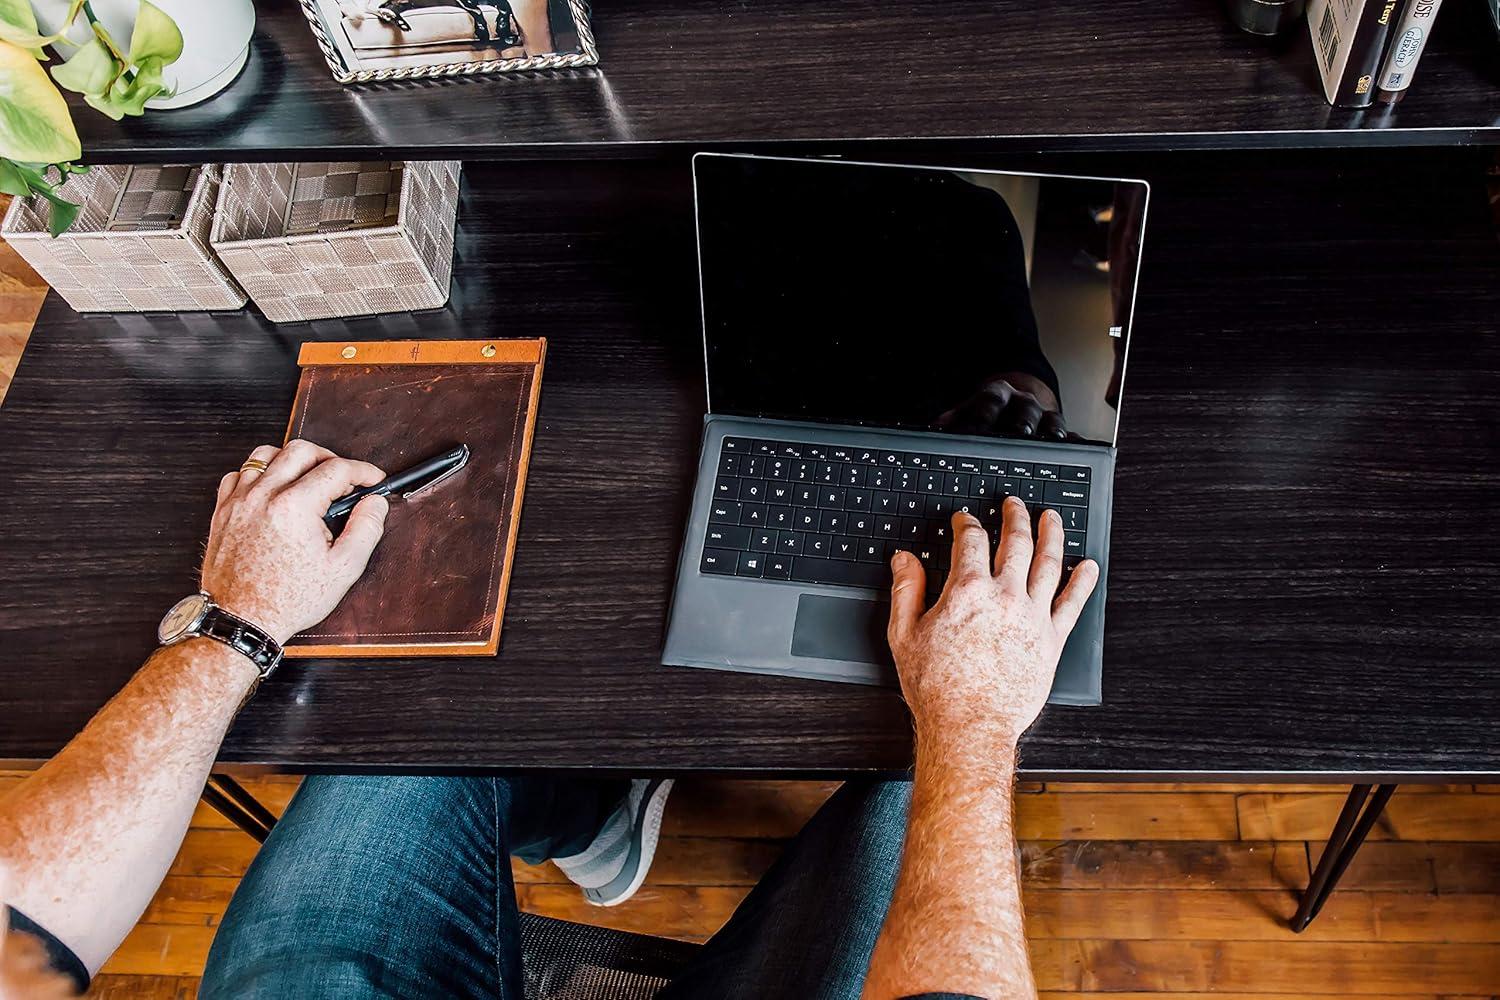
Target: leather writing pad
point(436, 583)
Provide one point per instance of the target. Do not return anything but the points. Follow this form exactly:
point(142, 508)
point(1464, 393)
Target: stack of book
point(1367, 50)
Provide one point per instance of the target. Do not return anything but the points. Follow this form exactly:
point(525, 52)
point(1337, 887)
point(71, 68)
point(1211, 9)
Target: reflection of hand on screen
point(1015, 404)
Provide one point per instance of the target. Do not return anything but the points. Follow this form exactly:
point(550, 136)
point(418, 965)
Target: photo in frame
point(370, 40)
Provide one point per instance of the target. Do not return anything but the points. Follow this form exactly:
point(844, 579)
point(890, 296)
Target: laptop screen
point(976, 302)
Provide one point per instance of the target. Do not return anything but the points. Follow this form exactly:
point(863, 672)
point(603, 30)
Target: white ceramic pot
point(215, 40)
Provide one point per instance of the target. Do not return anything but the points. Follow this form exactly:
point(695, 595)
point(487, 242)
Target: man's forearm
point(956, 924)
point(86, 840)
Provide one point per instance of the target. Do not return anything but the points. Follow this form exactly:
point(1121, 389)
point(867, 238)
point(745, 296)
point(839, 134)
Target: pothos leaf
point(155, 36)
point(35, 126)
point(91, 70)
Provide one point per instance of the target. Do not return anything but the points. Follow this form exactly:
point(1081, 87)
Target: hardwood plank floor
point(1132, 892)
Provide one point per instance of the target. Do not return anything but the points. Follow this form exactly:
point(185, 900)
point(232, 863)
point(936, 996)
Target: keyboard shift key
point(718, 562)
point(727, 536)
point(848, 574)
point(751, 564)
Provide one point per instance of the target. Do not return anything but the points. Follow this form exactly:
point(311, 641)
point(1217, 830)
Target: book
point(1348, 38)
point(1408, 39)
point(437, 582)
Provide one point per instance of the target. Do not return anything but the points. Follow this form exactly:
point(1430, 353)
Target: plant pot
point(215, 40)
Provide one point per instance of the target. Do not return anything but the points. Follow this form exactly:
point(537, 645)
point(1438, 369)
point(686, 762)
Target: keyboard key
point(940, 533)
point(969, 465)
point(938, 507)
point(1020, 470)
point(763, 448)
point(753, 490)
point(718, 562)
point(844, 548)
point(916, 460)
point(831, 522)
point(779, 492)
point(789, 542)
point(870, 551)
point(805, 496)
point(931, 482)
point(727, 536)
point(956, 484)
point(806, 519)
point(840, 455)
point(753, 514)
point(828, 472)
point(995, 467)
point(878, 477)
point(890, 458)
point(944, 463)
point(791, 451)
point(910, 505)
point(738, 446)
point(1009, 487)
point(1067, 493)
point(882, 502)
point(778, 468)
point(1074, 518)
point(1073, 543)
point(1031, 490)
point(751, 564)
point(860, 523)
point(857, 499)
point(832, 499)
point(905, 480)
point(753, 466)
point(727, 487)
point(729, 465)
point(865, 457)
point(803, 472)
point(762, 540)
point(815, 545)
point(851, 475)
point(1074, 473)
point(778, 567)
point(779, 517)
point(816, 452)
point(887, 526)
point(724, 512)
point(982, 486)
point(913, 529)
point(1045, 471)
point(849, 574)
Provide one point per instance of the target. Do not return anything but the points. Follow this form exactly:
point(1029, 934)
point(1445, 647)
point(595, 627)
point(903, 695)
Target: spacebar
point(848, 574)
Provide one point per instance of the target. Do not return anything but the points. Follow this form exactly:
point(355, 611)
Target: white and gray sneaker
point(613, 866)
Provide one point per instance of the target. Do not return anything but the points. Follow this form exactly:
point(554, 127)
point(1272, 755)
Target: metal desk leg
point(1348, 833)
point(238, 806)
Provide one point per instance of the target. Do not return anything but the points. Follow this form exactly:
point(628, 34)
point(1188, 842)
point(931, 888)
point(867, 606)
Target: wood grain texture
point(1094, 74)
point(1315, 366)
point(1406, 817)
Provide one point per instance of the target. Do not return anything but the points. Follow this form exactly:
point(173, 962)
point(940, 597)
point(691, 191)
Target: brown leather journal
point(436, 583)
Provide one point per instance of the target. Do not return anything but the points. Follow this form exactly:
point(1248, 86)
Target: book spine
point(1356, 87)
point(1407, 42)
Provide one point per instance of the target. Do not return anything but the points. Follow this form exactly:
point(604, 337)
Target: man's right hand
point(981, 661)
point(270, 558)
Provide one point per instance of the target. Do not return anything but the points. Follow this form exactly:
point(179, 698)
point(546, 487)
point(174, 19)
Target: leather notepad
point(437, 581)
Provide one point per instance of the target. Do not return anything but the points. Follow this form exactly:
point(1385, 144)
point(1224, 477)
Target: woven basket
point(140, 242)
point(314, 240)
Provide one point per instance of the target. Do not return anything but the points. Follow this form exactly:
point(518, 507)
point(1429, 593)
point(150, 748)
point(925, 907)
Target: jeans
point(401, 887)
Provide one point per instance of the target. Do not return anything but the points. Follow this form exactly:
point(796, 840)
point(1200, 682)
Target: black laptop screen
point(979, 303)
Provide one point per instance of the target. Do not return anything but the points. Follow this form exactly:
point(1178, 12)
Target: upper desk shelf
point(1076, 75)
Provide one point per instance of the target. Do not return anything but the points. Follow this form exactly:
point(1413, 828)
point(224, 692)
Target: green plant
point(37, 135)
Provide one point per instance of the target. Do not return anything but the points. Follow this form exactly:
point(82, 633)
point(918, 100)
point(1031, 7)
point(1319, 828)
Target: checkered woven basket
point(313, 240)
point(140, 242)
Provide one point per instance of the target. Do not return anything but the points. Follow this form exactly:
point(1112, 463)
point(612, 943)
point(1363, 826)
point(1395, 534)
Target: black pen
point(406, 484)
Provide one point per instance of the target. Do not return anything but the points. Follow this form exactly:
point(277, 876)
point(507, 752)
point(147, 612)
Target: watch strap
point(241, 636)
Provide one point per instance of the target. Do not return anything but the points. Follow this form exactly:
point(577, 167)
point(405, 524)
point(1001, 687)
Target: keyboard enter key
point(1066, 493)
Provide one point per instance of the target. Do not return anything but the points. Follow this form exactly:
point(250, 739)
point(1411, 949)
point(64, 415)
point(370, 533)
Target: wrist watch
point(198, 615)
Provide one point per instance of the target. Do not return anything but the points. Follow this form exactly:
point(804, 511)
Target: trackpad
point(841, 628)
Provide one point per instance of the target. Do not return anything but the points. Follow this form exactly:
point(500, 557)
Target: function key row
point(735, 483)
point(822, 453)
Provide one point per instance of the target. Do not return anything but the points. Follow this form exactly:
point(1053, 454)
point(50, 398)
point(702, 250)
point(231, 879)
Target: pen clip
point(463, 460)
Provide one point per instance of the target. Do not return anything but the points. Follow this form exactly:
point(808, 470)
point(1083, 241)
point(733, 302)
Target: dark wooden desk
point(1306, 544)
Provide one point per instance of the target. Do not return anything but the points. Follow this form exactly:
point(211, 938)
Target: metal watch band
point(241, 636)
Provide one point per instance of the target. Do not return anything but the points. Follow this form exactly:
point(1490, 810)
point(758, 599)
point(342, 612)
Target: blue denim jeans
point(401, 887)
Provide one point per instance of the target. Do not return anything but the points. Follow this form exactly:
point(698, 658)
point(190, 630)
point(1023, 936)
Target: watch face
point(184, 615)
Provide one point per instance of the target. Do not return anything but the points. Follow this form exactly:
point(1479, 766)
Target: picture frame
point(367, 41)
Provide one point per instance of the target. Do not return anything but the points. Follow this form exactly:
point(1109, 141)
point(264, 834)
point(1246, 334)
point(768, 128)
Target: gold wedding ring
point(253, 465)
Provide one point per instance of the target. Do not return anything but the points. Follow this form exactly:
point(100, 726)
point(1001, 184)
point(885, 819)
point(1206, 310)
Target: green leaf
point(18, 25)
point(155, 36)
point(91, 70)
point(12, 181)
point(64, 213)
point(35, 126)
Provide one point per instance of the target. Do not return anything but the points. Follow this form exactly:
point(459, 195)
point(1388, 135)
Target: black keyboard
point(818, 513)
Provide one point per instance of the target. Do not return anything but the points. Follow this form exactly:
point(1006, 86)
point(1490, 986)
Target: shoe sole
point(642, 847)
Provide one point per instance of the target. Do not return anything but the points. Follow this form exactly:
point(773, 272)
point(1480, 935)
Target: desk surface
point(1306, 548)
point(1082, 74)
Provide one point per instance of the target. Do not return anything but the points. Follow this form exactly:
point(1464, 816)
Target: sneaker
point(613, 866)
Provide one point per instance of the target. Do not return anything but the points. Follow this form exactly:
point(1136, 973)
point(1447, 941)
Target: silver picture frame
point(367, 41)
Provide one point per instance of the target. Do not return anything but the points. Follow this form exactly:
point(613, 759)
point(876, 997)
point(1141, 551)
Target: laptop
point(884, 345)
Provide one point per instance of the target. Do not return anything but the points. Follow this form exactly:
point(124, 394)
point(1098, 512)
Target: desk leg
point(1348, 833)
point(238, 806)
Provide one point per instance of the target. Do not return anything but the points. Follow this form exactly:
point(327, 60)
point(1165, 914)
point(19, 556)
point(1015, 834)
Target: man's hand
point(270, 558)
point(981, 661)
point(1010, 403)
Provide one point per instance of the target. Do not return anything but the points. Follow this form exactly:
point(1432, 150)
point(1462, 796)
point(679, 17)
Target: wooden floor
point(1131, 891)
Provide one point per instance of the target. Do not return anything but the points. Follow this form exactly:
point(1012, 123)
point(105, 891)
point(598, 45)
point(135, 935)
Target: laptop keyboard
point(818, 513)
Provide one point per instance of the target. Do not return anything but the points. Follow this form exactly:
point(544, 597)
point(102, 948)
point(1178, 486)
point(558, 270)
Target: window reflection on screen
point(978, 303)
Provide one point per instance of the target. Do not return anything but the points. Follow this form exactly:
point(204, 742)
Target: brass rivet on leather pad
point(488, 350)
point(349, 352)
